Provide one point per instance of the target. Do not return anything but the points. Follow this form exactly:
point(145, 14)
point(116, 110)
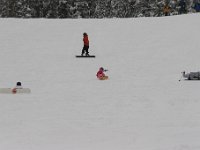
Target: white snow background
point(142, 106)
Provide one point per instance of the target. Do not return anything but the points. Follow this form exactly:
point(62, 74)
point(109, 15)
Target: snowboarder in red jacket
point(100, 74)
point(86, 45)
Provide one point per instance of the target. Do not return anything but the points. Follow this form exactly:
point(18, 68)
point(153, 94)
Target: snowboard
point(90, 56)
point(14, 91)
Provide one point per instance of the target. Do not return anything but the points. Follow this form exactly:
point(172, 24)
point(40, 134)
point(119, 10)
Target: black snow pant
point(85, 50)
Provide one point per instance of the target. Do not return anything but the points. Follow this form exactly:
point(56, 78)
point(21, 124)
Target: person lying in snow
point(191, 75)
point(18, 86)
point(100, 74)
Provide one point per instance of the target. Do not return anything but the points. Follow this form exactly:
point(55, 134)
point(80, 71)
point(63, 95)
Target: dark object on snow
point(191, 75)
point(19, 84)
point(92, 56)
point(85, 50)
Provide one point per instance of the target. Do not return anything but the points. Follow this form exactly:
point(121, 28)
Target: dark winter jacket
point(182, 4)
point(197, 7)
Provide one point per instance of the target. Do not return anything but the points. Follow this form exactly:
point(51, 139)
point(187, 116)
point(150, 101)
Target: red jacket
point(100, 73)
point(86, 40)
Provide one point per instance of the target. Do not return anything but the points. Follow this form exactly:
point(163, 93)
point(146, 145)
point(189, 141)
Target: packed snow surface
point(142, 106)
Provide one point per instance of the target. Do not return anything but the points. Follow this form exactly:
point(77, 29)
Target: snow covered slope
point(142, 106)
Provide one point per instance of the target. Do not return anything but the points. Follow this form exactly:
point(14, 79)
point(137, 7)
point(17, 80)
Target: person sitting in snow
point(100, 74)
point(86, 45)
point(18, 86)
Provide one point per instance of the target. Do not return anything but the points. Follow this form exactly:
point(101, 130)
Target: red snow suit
point(86, 40)
point(100, 73)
